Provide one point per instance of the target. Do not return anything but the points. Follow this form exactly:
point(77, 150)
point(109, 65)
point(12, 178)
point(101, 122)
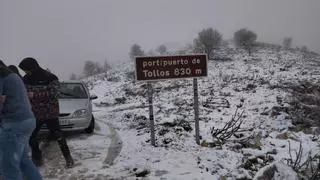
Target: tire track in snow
point(115, 146)
point(88, 151)
point(116, 142)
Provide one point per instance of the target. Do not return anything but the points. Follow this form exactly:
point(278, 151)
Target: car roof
point(72, 81)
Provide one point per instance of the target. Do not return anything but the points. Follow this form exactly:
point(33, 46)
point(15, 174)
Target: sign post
point(172, 67)
point(150, 93)
point(196, 109)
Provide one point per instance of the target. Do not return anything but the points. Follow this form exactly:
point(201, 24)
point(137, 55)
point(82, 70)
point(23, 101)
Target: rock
point(167, 140)
point(277, 110)
point(135, 169)
point(265, 113)
point(286, 135)
point(163, 131)
point(276, 171)
point(142, 173)
point(207, 144)
point(160, 172)
point(243, 177)
point(250, 87)
point(279, 99)
point(236, 146)
point(168, 124)
point(184, 124)
point(178, 130)
point(121, 100)
point(283, 69)
point(254, 143)
point(249, 164)
point(274, 151)
point(307, 130)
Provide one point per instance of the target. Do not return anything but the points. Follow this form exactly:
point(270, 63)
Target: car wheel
point(90, 128)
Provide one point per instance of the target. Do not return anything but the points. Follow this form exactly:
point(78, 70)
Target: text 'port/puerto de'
point(170, 67)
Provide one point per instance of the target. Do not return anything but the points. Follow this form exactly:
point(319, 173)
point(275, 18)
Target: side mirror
point(92, 97)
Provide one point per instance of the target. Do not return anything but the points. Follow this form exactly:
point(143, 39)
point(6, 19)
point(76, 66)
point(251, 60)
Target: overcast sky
point(62, 34)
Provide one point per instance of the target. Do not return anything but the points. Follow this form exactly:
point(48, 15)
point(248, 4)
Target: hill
point(256, 92)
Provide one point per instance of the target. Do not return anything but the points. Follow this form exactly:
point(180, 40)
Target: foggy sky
point(62, 34)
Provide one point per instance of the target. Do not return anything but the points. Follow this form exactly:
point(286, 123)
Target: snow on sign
point(170, 67)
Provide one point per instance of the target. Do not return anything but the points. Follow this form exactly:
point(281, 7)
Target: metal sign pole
point(150, 92)
point(196, 109)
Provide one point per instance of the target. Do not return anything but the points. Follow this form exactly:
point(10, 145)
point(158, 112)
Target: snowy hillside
point(244, 82)
point(246, 88)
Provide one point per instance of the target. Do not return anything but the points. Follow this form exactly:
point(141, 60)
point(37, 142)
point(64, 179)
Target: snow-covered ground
point(246, 83)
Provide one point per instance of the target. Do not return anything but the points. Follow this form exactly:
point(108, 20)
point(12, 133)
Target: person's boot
point(69, 162)
point(37, 158)
point(37, 162)
point(66, 152)
point(36, 153)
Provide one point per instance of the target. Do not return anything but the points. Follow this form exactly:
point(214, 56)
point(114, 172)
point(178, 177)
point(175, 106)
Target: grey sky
point(62, 34)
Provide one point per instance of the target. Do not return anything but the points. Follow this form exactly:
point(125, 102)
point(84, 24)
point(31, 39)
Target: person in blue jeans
point(17, 122)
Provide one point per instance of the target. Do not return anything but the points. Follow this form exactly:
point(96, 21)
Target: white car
point(75, 107)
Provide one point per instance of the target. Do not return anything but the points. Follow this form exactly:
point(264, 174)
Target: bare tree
point(98, 68)
point(245, 38)
point(136, 51)
point(106, 66)
point(304, 49)
point(73, 77)
point(278, 50)
point(89, 68)
point(229, 129)
point(307, 169)
point(151, 52)
point(197, 46)
point(92, 68)
point(162, 49)
point(207, 40)
point(287, 43)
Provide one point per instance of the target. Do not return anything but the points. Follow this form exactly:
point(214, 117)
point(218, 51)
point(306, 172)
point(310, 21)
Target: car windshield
point(72, 91)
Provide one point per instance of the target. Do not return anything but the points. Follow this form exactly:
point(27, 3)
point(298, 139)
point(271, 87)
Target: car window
point(72, 91)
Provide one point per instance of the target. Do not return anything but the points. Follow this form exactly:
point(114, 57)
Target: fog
point(63, 34)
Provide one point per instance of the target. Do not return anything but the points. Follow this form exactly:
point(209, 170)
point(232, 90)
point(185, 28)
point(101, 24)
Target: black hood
point(2, 63)
point(29, 64)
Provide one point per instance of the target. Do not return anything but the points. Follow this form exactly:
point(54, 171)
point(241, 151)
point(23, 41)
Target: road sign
point(171, 67)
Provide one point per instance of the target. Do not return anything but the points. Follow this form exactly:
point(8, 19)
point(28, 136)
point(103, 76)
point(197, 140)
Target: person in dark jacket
point(14, 69)
point(43, 88)
point(16, 126)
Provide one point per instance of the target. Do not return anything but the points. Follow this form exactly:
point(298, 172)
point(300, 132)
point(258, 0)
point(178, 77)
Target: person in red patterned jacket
point(43, 88)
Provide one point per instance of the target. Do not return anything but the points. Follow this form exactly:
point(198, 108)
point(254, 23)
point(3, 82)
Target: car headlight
point(80, 113)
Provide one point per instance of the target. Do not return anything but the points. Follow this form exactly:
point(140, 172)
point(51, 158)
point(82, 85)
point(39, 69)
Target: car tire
point(90, 128)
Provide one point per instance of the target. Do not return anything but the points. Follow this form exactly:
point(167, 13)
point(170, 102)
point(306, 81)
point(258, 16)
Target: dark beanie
point(29, 64)
point(14, 69)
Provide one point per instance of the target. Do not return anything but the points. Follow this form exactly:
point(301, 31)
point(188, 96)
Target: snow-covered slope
point(248, 83)
point(253, 85)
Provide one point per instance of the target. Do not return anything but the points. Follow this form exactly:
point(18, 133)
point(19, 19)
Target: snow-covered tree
point(245, 38)
point(135, 51)
point(89, 68)
point(73, 77)
point(162, 49)
point(287, 43)
point(207, 40)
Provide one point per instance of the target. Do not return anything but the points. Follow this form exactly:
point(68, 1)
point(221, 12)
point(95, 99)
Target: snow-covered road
point(92, 153)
